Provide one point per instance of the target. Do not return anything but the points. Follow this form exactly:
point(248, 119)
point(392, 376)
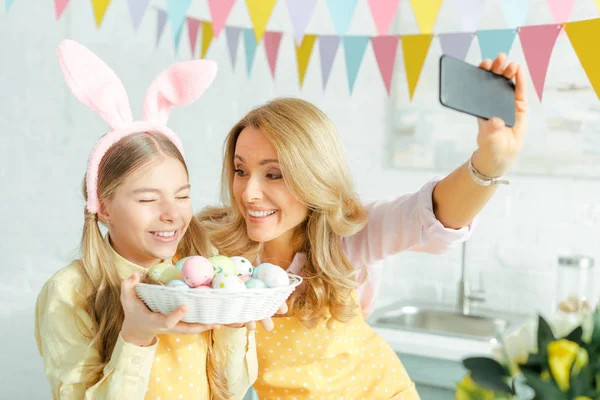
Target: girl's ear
point(103, 211)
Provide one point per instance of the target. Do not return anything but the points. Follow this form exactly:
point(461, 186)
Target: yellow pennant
point(207, 37)
point(260, 11)
point(598, 4)
point(426, 12)
point(584, 39)
point(414, 49)
point(100, 7)
point(303, 52)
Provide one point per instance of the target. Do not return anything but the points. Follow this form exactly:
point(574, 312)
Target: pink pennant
point(272, 42)
point(538, 42)
point(383, 12)
point(561, 10)
point(385, 53)
point(193, 25)
point(219, 11)
point(59, 6)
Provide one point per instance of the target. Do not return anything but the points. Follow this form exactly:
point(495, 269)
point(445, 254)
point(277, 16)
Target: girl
point(290, 201)
point(98, 340)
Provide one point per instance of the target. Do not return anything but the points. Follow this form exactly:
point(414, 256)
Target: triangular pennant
point(598, 4)
point(300, 12)
point(219, 12)
point(272, 42)
point(303, 53)
point(456, 44)
point(233, 40)
point(354, 51)
point(8, 4)
point(495, 41)
point(260, 12)
point(59, 7)
point(99, 7)
point(250, 48)
point(538, 42)
point(207, 37)
point(515, 12)
point(561, 10)
point(383, 12)
point(415, 49)
point(470, 12)
point(137, 8)
point(426, 13)
point(176, 10)
point(385, 48)
point(193, 26)
point(328, 47)
point(160, 24)
point(341, 12)
point(584, 39)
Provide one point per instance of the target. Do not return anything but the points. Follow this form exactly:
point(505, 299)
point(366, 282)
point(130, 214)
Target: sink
point(445, 321)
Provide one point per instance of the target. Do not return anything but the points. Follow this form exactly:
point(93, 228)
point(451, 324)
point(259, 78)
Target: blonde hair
point(315, 172)
point(102, 284)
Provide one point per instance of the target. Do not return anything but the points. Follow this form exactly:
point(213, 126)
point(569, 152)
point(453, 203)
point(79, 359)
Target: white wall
point(47, 136)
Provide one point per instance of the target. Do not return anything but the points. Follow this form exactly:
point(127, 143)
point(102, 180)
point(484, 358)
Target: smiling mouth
point(261, 214)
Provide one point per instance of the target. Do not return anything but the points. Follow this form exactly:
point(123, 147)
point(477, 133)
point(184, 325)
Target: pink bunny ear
point(94, 83)
point(179, 85)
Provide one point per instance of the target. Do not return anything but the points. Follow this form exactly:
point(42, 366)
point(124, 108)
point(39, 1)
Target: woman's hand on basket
point(267, 323)
point(141, 325)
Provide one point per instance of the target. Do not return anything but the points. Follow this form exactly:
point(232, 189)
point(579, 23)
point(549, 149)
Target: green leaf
point(544, 390)
point(488, 373)
point(576, 335)
point(484, 363)
point(583, 383)
point(596, 331)
point(544, 336)
point(534, 363)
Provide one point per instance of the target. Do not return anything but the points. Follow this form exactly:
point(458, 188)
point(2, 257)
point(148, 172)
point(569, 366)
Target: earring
point(107, 222)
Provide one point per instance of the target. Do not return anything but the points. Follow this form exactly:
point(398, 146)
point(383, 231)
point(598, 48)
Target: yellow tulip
point(467, 389)
point(561, 356)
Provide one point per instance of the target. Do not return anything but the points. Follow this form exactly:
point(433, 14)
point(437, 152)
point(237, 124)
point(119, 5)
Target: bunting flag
point(426, 13)
point(207, 37)
point(219, 12)
point(137, 8)
point(59, 7)
point(300, 12)
point(260, 12)
point(8, 4)
point(328, 47)
point(99, 7)
point(561, 10)
point(415, 49)
point(469, 12)
point(250, 48)
point(584, 39)
point(272, 41)
point(383, 12)
point(341, 12)
point(160, 24)
point(193, 27)
point(456, 44)
point(233, 39)
point(354, 51)
point(598, 4)
point(515, 12)
point(538, 43)
point(176, 10)
point(495, 41)
point(385, 48)
point(303, 52)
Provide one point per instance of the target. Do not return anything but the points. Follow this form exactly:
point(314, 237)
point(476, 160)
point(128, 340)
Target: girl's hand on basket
point(267, 323)
point(141, 325)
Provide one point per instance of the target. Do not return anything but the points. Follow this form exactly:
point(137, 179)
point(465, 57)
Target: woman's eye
point(274, 176)
point(146, 200)
point(183, 197)
point(239, 172)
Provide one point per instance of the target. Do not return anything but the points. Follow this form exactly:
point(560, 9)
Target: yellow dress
point(348, 361)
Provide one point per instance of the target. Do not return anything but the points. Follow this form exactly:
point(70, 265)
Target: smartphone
point(472, 90)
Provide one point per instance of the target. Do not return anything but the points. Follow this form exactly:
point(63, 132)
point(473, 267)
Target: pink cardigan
point(406, 223)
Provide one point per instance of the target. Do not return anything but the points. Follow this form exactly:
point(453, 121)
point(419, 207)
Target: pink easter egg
point(197, 271)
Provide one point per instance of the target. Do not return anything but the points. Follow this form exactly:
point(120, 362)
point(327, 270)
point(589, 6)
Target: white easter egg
point(242, 265)
point(273, 276)
point(226, 281)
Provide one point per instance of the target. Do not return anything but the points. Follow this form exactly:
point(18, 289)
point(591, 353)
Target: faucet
point(467, 295)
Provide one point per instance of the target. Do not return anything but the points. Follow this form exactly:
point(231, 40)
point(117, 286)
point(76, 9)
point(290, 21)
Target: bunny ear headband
point(98, 87)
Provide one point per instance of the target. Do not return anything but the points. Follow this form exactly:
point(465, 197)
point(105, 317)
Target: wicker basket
point(216, 306)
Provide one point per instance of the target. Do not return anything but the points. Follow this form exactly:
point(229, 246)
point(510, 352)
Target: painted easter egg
point(177, 284)
point(245, 278)
point(242, 265)
point(179, 264)
point(273, 276)
point(164, 273)
point(255, 284)
point(222, 264)
point(197, 271)
point(258, 268)
point(228, 282)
